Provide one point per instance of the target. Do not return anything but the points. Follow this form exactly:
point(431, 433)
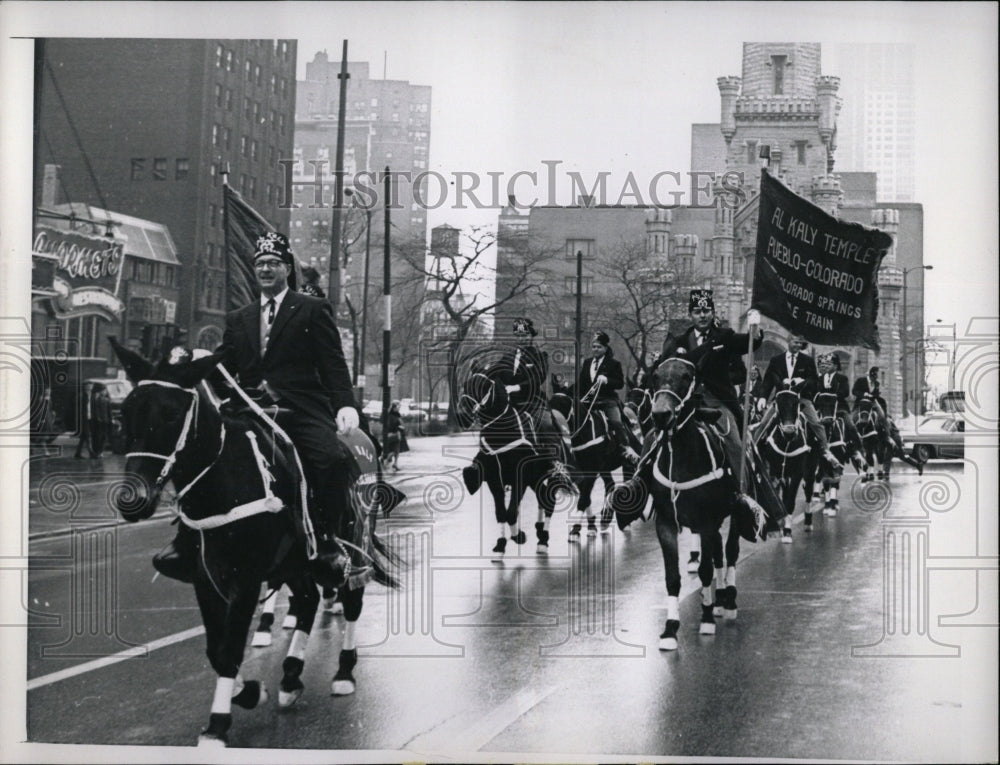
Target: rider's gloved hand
point(761, 404)
point(512, 388)
point(798, 380)
point(347, 419)
point(602, 379)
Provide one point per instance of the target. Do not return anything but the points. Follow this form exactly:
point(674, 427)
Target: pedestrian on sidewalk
point(100, 419)
point(83, 417)
point(393, 438)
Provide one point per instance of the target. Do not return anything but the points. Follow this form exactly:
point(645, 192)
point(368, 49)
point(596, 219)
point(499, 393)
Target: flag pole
point(224, 172)
point(753, 324)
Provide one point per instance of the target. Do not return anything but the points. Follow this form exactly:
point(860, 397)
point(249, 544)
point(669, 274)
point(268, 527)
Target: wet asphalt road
point(867, 639)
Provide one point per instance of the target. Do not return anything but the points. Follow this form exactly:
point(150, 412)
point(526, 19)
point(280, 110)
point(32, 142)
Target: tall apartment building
point(156, 122)
point(387, 125)
point(877, 126)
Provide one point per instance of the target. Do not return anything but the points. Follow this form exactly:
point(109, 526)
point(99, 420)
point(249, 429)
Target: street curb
point(52, 533)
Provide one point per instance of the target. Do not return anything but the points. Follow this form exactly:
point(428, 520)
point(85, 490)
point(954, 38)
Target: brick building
point(157, 121)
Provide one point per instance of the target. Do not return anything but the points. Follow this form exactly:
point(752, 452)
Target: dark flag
point(244, 226)
point(815, 275)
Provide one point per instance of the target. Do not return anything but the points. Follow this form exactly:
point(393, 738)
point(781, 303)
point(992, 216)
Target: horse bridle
point(169, 460)
point(681, 401)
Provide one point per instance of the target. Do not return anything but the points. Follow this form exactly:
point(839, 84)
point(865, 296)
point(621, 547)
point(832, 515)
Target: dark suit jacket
point(530, 372)
point(777, 371)
point(838, 385)
point(864, 385)
point(713, 357)
point(304, 362)
point(609, 367)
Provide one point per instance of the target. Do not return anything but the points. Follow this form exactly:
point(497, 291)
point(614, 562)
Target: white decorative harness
point(716, 472)
point(269, 503)
point(525, 426)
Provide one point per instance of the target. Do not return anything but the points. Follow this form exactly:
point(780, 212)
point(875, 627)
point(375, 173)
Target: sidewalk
point(60, 477)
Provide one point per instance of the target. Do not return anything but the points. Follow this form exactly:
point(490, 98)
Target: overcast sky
point(615, 87)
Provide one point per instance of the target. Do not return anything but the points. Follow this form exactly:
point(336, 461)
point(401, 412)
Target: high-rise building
point(387, 125)
point(147, 127)
point(877, 126)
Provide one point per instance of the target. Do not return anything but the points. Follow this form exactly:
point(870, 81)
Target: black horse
point(786, 450)
point(877, 447)
point(822, 480)
point(511, 456)
point(692, 485)
point(595, 455)
point(236, 487)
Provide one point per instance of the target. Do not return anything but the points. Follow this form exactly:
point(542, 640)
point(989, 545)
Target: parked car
point(118, 391)
point(939, 435)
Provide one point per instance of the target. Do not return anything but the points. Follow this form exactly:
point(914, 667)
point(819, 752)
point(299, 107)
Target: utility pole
point(387, 300)
point(338, 202)
point(579, 336)
point(362, 380)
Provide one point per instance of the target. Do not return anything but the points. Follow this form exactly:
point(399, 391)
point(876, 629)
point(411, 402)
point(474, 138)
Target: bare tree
point(643, 299)
point(459, 280)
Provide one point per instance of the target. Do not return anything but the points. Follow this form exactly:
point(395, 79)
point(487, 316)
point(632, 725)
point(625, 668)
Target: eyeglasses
point(268, 263)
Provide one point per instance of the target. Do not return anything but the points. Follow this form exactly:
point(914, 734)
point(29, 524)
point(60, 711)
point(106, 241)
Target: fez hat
point(525, 325)
point(701, 299)
point(602, 338)
point(276, 244)
point(829, 358)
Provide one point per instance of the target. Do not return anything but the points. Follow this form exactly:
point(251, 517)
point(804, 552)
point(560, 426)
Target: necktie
point(791, 364)
point(593, 369)
point(517, 359)
point(265, 325)
point(699, 338)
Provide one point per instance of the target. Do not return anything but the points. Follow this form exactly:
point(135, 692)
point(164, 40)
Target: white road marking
point(107, 661)
point(471, 731)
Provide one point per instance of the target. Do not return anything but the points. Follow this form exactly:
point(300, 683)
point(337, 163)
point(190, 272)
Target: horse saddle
point(706, 414)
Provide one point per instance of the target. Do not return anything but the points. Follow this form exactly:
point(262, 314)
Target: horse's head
point(562, 403)
point(674, 383)
point(865, 409)
point(826, 406)
point(786, 404)
point(482, 397)
point(159, 419)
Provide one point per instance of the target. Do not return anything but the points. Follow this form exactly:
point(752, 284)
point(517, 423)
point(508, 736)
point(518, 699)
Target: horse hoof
point(786, 536)
point(254, 694)
point(290, 622)
point(336, 608)
point(261, 639)
point(287, 699)
point(668, 640)
point(729, 610)
point(342, 687)
point(717, 609)
point(215, 736)
point(207, 741)
point(499, 549)
point(707, 628)
point(591, 530)
point(542, 547)
point(574, 535)
point(519, 538)
point(830, 512)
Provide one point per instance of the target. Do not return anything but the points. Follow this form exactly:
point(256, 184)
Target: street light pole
point(906, 392)
point(364, 305)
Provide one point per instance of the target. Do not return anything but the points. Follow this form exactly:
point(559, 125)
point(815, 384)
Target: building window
point(213, 172)
point(160, 169)
point(138, 168)
point(213, 215)
point(243, 184)
point(249, 71)
point(586, 246)
point(586, 285)
point(374, 102)
point(244, 145)
point(800, 152)
point(229, 99)
point(778, 64)
point(181, 168)
point(210, 254)
point(256, 74)
point(218, 56)
point(270, 193)
point(274, 83)
point(227, 136)
point(248, 108)
point(256, 112)
point(218, 95)
point(254, 146)
point(281, 124)
point(751, 152)
point(253, 187)
point(229, 61)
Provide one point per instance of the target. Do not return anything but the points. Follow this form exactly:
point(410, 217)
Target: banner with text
point(816, 275)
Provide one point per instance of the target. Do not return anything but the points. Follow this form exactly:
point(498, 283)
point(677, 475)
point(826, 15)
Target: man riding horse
point(794, 371)
point(523, 371)
point(603, 376)
point(285, 348)
point(870, 388)
point(832, 380)
point(711, 349)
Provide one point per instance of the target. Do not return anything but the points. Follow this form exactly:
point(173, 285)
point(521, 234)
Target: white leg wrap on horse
point(673, 609)
point(503, 530)
point(730, 576)
point(297, 646)
point(707, 595)
point(350, 636)
point(832, 494)
point(270, 602)
point(222, 703)
point(720, 578)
